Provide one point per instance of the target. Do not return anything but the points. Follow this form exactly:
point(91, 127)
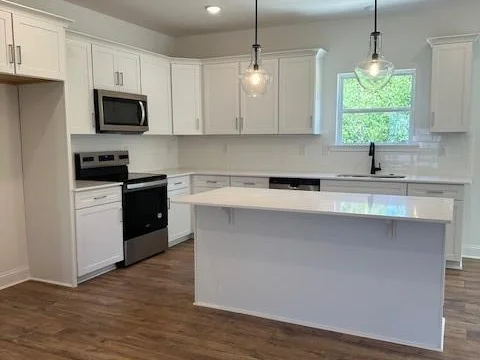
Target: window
point(383, 116)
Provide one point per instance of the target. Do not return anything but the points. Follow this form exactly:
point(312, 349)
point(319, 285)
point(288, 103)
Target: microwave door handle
point(144, 115)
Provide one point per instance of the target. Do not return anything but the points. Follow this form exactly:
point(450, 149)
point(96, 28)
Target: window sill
point(380, 148)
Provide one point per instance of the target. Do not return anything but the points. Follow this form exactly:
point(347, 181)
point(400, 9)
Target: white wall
point(13, 247)
point(97, 24)
point(347, 42)
point(147, 152)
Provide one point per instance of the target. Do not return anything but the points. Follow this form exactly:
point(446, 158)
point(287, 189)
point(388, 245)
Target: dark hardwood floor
point(146, 312)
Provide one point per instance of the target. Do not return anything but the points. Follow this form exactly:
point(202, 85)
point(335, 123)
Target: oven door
point(145, 208)
point(117, 112)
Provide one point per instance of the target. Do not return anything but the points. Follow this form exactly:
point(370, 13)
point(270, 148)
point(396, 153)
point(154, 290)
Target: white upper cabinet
point(260, 115)
point(156, 85)
point(128, 66)
point(7, 61)
point(32, 44)
point(40, 47)
point(115, 69)
point(79, 87)
point(187, 99)
point(222, 108)
point(105, 75)
point(298, 97)
point(452, 64)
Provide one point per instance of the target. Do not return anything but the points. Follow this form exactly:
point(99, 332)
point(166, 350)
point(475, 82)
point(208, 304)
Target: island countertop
point(389, 207)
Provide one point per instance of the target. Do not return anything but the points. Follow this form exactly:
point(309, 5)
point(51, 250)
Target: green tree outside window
point(383, 116)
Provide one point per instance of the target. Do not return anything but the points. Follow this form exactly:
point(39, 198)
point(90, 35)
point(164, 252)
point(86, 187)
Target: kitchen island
point(365, 265)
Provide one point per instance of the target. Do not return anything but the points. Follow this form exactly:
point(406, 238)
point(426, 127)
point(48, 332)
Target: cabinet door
point(454, 232)
point(156, 85)
point(297, 95)
point(79, 87)
point(104, 68)
point(40, 48)
point(260, 115)
point(363, 187)
point(99, 237)
point(451, 87)
point(128, 66)
point(186, 99)
point(222, 98)
point(7, 61)
point(179, 217)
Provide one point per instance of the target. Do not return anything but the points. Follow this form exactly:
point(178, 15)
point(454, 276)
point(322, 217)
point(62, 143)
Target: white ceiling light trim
point(213, 9)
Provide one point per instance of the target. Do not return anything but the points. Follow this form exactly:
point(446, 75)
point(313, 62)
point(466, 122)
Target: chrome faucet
point(373, 168)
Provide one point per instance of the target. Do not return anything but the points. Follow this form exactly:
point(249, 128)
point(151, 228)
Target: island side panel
point(330, 272)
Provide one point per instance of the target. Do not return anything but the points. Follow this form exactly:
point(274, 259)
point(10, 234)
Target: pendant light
point(255, 79)
point(374, 72)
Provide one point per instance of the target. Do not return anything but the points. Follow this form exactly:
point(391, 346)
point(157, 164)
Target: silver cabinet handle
point(249, 183)
point(311, 121)
point(11, 54)
point(120, 215)
point(236, 123)
point(198, 124)
point(19, 56)
point(178, 183)
point(144, 114)
point(433, 118)
point(100, 197)
point(115, 77)
point(212, 182)
point(168, 201)
point(121, 77)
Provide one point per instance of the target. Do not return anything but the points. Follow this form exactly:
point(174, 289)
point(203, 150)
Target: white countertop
point(84, 185)
point(172, 173)
point(435, 210)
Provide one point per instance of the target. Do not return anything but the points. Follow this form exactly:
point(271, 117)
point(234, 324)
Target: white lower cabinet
point(99, 230)
point(454, 233)
point(179, 218)
point(249, 182)
point(364, 187)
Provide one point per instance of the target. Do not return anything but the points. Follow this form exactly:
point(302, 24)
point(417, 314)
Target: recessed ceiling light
point(213, 9)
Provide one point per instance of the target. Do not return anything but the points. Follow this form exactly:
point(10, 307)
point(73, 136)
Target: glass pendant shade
point(374, 72)
point(255, 79)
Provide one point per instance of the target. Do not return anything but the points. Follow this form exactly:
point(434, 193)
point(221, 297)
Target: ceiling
point(186, 17)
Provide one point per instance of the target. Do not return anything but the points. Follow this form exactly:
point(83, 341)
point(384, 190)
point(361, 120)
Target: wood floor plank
point(145, 312)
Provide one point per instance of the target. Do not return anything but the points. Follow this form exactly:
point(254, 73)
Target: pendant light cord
point(376, 15)
point(256, 22)
point(376, 33)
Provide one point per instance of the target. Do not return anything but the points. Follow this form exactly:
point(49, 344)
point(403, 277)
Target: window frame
point(340, 111)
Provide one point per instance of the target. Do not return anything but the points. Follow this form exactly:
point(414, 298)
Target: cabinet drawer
point(252, 182)
point(364, 187)
point(436, 190)
point(97, 197)
point(178, 183)
point(211, 181)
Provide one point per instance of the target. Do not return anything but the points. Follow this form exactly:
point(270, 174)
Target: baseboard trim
point(180, 240)
point(14, 277)
point(326, 328)
point(58, 283)
point(94, 274)
point(471, 251)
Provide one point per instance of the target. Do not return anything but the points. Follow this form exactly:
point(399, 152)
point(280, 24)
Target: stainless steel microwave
point(120, 113)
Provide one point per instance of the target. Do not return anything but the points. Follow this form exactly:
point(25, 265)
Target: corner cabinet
point(187, 99)
point(156, 85)
point(452, 64)
point(32, 45)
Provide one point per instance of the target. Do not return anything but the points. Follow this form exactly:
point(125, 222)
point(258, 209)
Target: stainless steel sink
point(389, 176)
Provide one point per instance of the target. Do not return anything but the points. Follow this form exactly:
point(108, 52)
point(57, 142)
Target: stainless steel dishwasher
point(295, 184)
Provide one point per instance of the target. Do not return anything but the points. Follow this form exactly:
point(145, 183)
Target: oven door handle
point(146, 185)
point(144, 114)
